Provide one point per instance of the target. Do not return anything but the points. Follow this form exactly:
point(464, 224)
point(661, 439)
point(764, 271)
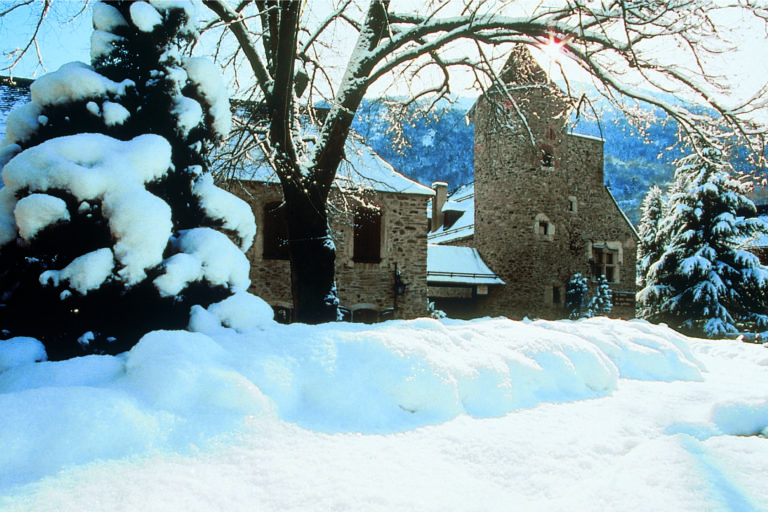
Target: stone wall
point(541, 205)
point(360, 285)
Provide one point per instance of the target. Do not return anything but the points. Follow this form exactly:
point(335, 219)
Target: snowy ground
point(419, 415)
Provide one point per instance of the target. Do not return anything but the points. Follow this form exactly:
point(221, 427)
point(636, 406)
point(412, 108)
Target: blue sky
point(63, 39)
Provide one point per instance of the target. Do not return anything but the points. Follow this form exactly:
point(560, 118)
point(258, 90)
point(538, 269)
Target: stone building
point(537, 213)
point(379, 225)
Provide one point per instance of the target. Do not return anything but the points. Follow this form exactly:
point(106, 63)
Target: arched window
point(367, 235)
point(274, 231)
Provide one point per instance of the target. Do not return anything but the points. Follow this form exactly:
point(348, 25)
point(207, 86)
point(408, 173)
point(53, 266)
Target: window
point(605, 263)
point(367, 235)
point(542, 227)
point(572, 204)
point(275, 232)
point(283, 315)
point(556, 295)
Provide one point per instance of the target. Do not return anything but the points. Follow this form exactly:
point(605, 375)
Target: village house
point(537, 213)
point(379, 227)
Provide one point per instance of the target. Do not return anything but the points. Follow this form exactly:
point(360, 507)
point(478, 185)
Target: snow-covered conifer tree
point(576, 297)
point(601, 302)
point(110, 225)
point(702, 283)
point(651, 245)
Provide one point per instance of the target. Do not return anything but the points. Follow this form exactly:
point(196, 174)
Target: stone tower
point(542, 212)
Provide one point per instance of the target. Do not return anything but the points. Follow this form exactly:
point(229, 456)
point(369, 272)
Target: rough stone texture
point(360, 285)
point(538, 216)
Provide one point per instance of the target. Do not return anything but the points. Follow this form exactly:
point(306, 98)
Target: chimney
point(441, 195)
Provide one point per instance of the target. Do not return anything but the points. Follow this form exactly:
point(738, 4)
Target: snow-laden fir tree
point(110, 225)
point(651, 244)
point(702, 283)
point(576, 301)
point(601, 302)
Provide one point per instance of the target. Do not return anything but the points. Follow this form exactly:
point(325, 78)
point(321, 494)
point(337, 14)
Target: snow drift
point(176, 389)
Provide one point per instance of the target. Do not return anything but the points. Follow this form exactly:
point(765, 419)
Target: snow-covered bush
point(576, 297)
point(110, 224)
point(601, 302)
point(581, 303)
point(702, 283)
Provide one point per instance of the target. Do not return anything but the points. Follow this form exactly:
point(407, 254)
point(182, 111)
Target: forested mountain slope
point(439, 146)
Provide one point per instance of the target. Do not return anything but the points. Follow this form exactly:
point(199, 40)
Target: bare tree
point(282, 47)
point(286, 52)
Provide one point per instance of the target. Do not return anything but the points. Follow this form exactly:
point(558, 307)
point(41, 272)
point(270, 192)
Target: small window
point(367, 235)
point(605, 263)
point(275, 232)
point(546, 156)
point(572, 204)
point(542, 226)
point(555, 295)
point(283, 315)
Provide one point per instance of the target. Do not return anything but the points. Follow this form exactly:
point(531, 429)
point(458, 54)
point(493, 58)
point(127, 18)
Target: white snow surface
point(97, 167)
point(144, 16)
point(188, 113)
point(207, 254)
point(38, 211)
point(208, 78)
point(114, 113)
point(241, 413)
point(234, 213)
point(102, 42)
point(84, 273)
point(106, 17)
point(73, 81)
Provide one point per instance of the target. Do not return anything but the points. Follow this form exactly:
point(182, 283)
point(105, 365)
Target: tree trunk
point(313, 256)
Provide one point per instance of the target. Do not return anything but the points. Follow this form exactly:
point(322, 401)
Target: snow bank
point(20, 351)
point(592, 401)
point(174, 390)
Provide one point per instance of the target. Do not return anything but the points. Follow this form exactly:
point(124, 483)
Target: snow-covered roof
point(447, 264)
point(585, 136)
point(362, 167)
point(462, 201)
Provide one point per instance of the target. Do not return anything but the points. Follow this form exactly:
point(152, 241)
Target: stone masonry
point(542, 211)
point(361, 286)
